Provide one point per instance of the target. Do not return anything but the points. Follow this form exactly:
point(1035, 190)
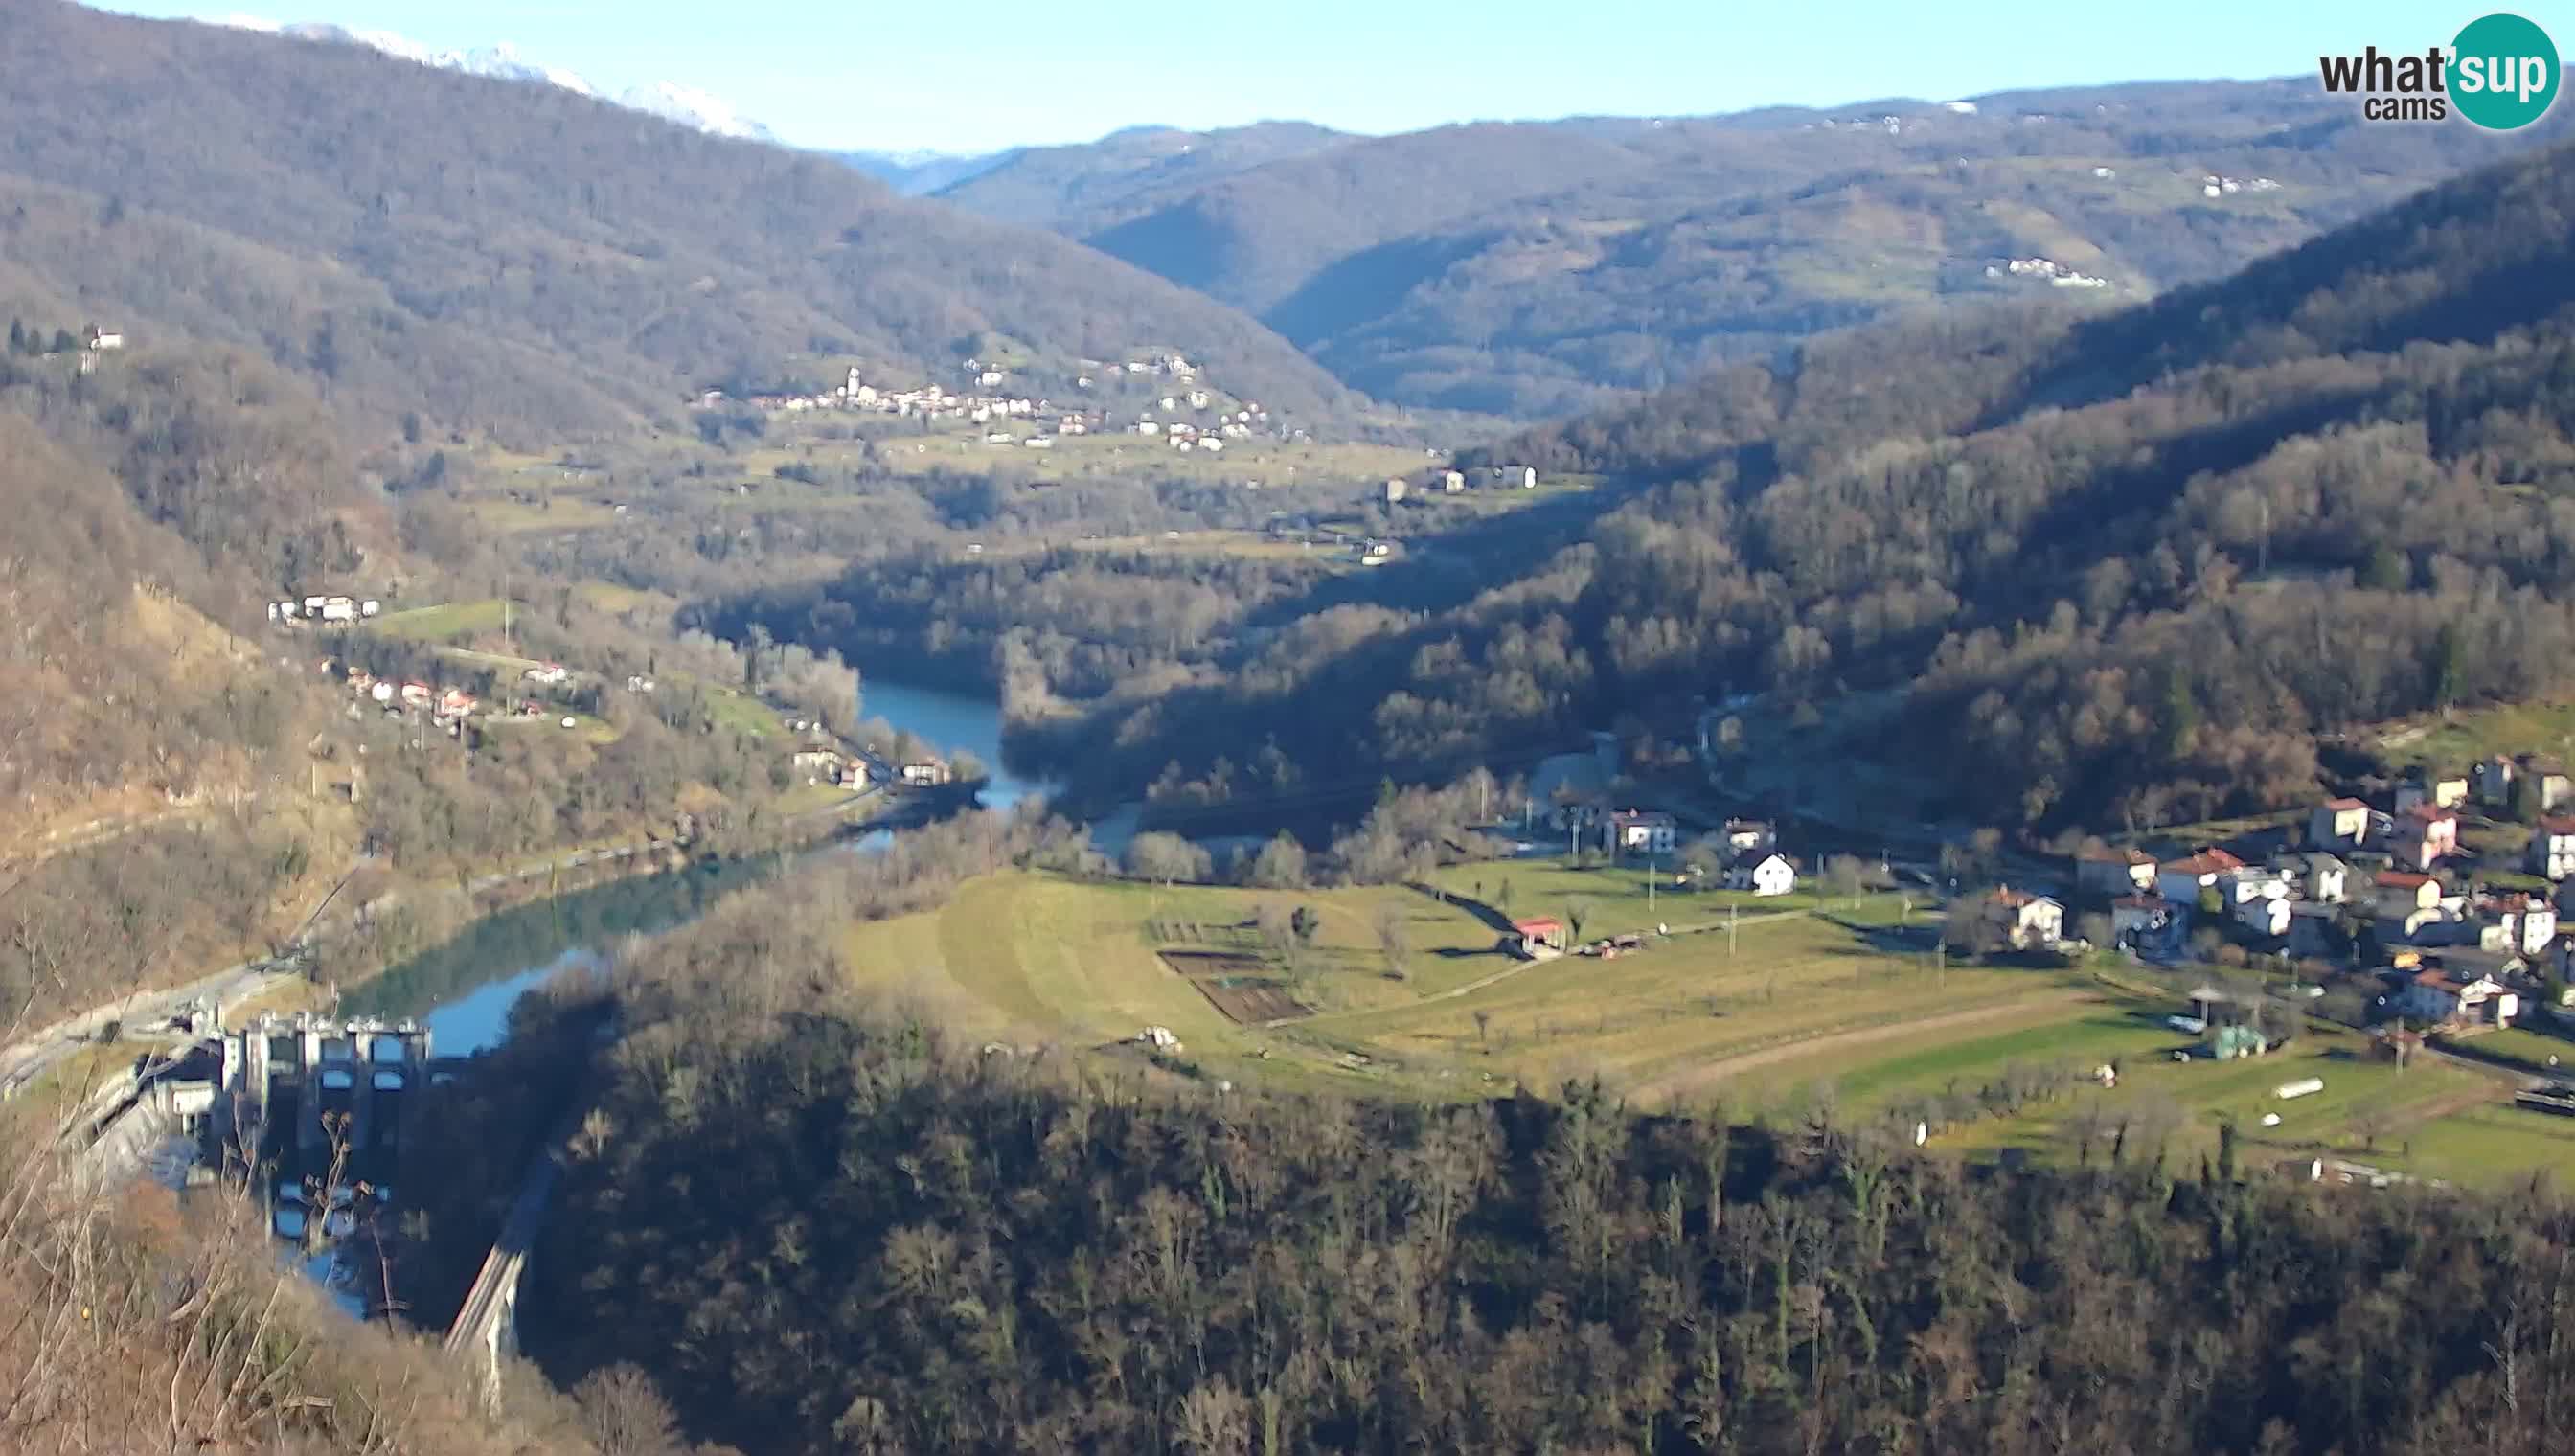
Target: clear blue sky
point(969, 77)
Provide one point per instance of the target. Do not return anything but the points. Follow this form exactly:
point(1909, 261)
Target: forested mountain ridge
point(523, 257)
point(1075, 190)
point(1540, 267)
point(2124, 570)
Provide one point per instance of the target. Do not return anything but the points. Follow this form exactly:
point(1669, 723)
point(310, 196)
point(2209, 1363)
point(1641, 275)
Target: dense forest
point(817, 1225)
point(2125, 569)
point(1535, 269)
point(518, 258)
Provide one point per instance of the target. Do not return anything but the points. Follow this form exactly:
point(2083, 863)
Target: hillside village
point(2442, 904)
point(2424, 902)
point(1193, 416)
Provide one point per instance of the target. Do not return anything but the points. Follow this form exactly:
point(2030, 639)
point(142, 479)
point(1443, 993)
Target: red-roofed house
point(2338, 823)
point(2423, 834)
point(2182, 880)
point(2402, 895)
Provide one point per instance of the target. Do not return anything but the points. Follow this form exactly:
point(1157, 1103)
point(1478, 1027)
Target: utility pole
point(1733, 914)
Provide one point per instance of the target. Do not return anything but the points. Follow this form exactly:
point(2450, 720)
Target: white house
point(103, 340)
point(1453, 482)
point(2405, 896)
point(1745, 836)
point(1396, 488)
point(1644, 833)
point(2025, 919)
point(2441, 997)
point(2552, 848)
point(2264, 915)
point(2252, 882)
point(2318, 875)
point(2528, 922)
point(2440, 791)
point(1764, 875)
point(2339, 824)
point(2421, 836)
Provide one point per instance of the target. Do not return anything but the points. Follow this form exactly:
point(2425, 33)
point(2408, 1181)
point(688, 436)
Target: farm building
point(1537, 939)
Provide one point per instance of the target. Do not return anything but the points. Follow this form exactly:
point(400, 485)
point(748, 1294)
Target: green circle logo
point(2503, 72)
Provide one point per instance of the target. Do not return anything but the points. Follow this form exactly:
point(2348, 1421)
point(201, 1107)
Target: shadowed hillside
point(509, 254)
point(2123, 568)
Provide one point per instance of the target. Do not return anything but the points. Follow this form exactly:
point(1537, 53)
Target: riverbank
point(418, 921)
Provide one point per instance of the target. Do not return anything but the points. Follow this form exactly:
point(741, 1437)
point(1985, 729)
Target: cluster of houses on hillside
point(2458, 950)
point(2047, 269)
point(325, 610)
point(1743, 856)
point(1449, 482)
point(2213, 185)
point(820, 758)
point(1189, 417)
point(447, 707)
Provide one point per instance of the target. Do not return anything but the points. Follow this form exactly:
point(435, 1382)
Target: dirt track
point(1698, 1078)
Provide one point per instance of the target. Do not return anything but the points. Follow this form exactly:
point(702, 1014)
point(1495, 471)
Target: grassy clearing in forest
point(1045, 957)
point(444, 622)
point(1802, 1010)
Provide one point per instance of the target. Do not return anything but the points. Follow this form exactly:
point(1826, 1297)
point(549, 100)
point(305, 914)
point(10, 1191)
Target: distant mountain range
point(668, 100)
point(919, 173)
point(1533, 269)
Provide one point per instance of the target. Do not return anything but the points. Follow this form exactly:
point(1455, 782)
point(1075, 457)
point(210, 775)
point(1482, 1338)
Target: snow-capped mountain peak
point(690, 107)
point(666, 99)
point(504, 62)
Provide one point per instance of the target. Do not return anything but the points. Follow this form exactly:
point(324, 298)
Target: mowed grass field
point(1798, 1008)
point(2455, 741)
point(1128, 454)
point(1041, 957)
point(1327, 552)
point(443, 622)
